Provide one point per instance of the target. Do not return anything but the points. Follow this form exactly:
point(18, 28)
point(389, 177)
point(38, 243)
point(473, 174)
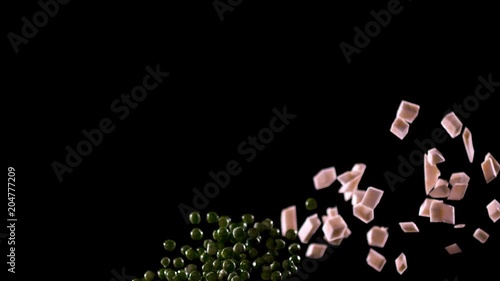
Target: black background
point(118, 206)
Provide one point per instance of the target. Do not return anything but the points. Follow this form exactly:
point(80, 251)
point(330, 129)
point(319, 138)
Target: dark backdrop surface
point(226, 81)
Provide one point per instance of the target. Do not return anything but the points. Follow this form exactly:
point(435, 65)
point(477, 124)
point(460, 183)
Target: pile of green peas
point(234, 252)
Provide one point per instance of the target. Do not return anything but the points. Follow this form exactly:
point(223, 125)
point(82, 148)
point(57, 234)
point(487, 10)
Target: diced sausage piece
point(431, 175)
point(453, 249)
point(459, 177)
point(372, 197)
point(375, 260)
point(441, 190)
point(334, 228)
point(324, 178)
point(494, 210)
point(481, 235)
point(315, 250)
point(490, 168)
point(351, 185)
point(469, 147)
point(434, 156)
point(308, 228)
point(377, 236)
point(452, 124)
point(401, 264)
point(409, 227)
point(424, 210)
point(363, 213)
point(359, 167)
point(400, 128)
point(357, 196)
point(333, 211)
point(458, 191)
point(408, 111)
point(347, 176)
point(288, 219)
point(441, 212)
point(459, 225)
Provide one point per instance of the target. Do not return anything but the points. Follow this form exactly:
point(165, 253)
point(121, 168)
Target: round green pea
point(253, 233)
point(211, 276)
point(291, 234)
point(295, 259)
point(268, 258)
point(207, 267)
point(311, 204)
point(227, 253)
point(268, 224)
point(195, 218)
point(258, 262)
point(196, 234)
point(184, 249)
point(253, 252)
point(181, 275)
point(222, 274)
point(274, 232)
point(244, 275)
point(224, 221)
point(191, 254)
point(280, 244)
point(235, 278)
point(190, 268)
point(247, 218)
point(276, 276)
point(294, 248)
point(239, 248)
point(194, 276)
point(170, 273)
point(178, 262)
point(245, 265)
point(161, 274)
point(212, 217)
point(169, 245)
point(228, 265)
point(239, 233)
point(286, 264)
point(223, 234)
point(212, 248)
point(149, 275)
point(270, 243)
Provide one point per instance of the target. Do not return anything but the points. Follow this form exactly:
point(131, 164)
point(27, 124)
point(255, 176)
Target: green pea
point(211, 276)
point(222, 274)
point(212, 248)
point(239, 248)
point(311, 204)
point(224, 221)
point(294, 269)
point(194, 276)
point(181, 275)
point(228, 265)
point(295, 259)
point(286, 274)
point(196, 234)
point(276, 276)
point(165, 261)
point(294, 248)
point(216, 264)
point(212, 217)
point(270, 243)
point(268, 258)
point(258, 262)
point(239, 233)
point(259, 226)
point(268, 224)
point(286, 264)
point(191, 254)
point(253, 252)
point(245, 265)
point(235, 278)
point(206, 242)
point(204, 257)
point(266, 275)
point(223, 234)
point(291, 234)
point(190, 268)
point(252, 242)
point(149, 275)
point(280, 244)
point(231, 275)
point(275, 266)
point(195, 217)
point(169, 273)
point(247, 218)
point(253, 233)
point(207, 267)
point(227, 253)
point(244, 275)
point(184, 249)
point(178, 262)
point(169, 245)
point(274, 232)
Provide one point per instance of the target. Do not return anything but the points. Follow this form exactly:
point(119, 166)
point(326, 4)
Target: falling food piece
point(435, 157)
point(308, 228)
point(469, 147)
point(348, 196)
point(332, 211)
point(335, 242)
point(324, 178)
point(481, 235)
point(459, 225)
point(377, 236)
point(459, 177)
point(347, 232)
point(400, 128)
point(334, 228)
point(441, 190)
point(351, 185)
point(431, 175)
point(288, 219)
point(458, 191)
point(490, 168)
point(494, 210)
point(324, 218)
point(363, 213)
point(347, 176)
point(452, 124)
point(441, 212)
point(375, 260)
point(359, 167)
point(408, 111)
point(424, 210)
point(401, 264)
point(409, 227)
point(315, 250)
point(372, 197)
point(453, 249)
point(357, 196)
